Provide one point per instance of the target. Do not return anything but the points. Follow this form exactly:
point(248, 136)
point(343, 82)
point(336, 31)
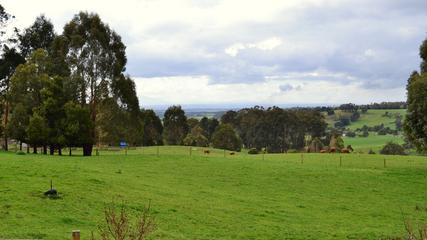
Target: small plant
point(20, 153)
point(371, 151)
point(118, 224)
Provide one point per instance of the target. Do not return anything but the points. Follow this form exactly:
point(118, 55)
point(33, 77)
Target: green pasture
point(215, 195)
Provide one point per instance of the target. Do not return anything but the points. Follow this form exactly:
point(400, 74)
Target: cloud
point(268, 44)
point(288, 87)
point(369, 44)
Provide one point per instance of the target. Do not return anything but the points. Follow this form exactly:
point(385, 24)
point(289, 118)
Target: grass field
point(275, 196)
point(374, 142)
point(371, 118)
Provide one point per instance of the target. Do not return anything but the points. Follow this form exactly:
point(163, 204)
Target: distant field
point(276, 196)
point(374, 142)
point(371, 118)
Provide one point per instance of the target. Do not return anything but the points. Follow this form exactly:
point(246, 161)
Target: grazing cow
point(323, 151)
point(232, 153)
point(332, 150)
point(345, 150)
point(350, 148)
point(206, 152)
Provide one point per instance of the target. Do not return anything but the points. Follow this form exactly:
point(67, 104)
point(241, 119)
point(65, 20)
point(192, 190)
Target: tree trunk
point(20, 146)
point(87, 150)
point(51, 150)
point(59, 151)
point(34, 149)
point(44, 149)
point(70, 151)
point(28, 148)
point(6, 116)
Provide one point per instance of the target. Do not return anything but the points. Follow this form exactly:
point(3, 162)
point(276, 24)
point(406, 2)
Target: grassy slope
point(212, 197)
point(371, 118)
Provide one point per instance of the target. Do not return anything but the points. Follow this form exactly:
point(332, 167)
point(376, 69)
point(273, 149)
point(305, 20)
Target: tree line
point(66, 89)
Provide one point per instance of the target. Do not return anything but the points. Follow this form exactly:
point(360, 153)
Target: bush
point(382, 131)
point(371, 151)
point(20, 153)
point(393, 149)
point(253, 151)
point(350, 134)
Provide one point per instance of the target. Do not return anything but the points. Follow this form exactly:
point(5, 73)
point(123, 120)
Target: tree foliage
point(175, 126)
point(226, 138)
point(416, 118)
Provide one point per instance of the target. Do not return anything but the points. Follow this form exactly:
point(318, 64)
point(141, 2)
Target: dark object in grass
point(51, 192)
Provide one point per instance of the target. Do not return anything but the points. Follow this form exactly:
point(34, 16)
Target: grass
point(215, 197)
point(372, 118)
point(374, 142)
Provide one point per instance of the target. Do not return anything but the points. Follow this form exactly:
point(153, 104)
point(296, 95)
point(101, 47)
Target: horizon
point(228, 53)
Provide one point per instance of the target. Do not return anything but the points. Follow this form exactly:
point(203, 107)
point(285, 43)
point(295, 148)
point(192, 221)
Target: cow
point(206, 151)
point(232, 153)
point(323, 151)
point(332, 150)
point(345, 150)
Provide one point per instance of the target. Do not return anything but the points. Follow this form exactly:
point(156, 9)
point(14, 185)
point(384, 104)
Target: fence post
point(76, 235)
point(157, 150)
point(385, 163)
point(340, 161)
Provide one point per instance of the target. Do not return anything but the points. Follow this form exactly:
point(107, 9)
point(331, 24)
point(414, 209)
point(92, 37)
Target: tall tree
point(416, 119)
point(423, 55)
point(38, 131)
point(77, 125)
point(153, 128)
point(226, 138)
point(4, 20)
point(97, 59)
point(9, 61)
point(18, 124)
point(175, 125)
point(40, 34)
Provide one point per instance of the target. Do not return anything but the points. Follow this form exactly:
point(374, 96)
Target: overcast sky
point(241, 52)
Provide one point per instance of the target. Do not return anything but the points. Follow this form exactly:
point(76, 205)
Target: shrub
point(20, 153)
point(371, 151)
point(393, 149)
point(365, 134)
point(382, 131)
point(118, 224)
point(350, 134)
point(253, 151)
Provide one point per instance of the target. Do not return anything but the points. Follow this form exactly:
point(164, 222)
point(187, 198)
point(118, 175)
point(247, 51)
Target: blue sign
point(123, 144)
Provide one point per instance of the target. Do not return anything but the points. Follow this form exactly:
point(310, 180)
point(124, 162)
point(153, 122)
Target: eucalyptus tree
point(40, 34)
point(96, 58)
point(416, 118)
point(9, 60)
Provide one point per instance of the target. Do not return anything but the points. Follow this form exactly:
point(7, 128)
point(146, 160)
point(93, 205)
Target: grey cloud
point(289, 87)
point(372, 42)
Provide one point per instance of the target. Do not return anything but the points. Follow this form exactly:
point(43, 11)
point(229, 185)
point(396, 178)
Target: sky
point(223, 53)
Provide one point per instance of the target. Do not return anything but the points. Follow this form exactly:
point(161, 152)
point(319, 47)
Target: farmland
point(372, 118)
point(215, 196)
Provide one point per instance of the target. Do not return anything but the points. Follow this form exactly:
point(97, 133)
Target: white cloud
point(366, 46)
point(277, 91)
point(267, 44)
